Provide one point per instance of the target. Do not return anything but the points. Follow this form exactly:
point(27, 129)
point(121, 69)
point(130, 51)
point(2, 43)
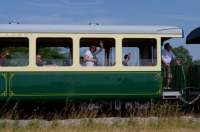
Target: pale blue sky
point(181, 13)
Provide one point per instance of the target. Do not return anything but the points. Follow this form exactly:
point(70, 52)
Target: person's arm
point(7, 53)
point(98, 51)
point(3, 57)
point(163, 54)
point(165, 63)
point(87, 58)
point(127, 59)
point(176, 61)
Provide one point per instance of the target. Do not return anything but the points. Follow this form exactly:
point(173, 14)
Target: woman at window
point(90, 55)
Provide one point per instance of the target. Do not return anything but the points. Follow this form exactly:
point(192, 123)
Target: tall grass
point(160, 117)
point(171, 124)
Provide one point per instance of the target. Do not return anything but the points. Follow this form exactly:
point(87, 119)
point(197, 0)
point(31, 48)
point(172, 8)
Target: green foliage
point(16, 49)
point(46, 52)
point(182, 53)
point(53, 53)
point(196, 62)
point(18, 56)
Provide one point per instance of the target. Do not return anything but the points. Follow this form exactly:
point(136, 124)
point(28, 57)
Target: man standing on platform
point(167, 56)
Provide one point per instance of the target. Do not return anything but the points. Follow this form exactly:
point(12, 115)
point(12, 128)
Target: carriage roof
point(114, 29)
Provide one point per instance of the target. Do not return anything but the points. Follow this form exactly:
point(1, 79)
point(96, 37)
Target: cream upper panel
point(76, 43)
point(90, 29)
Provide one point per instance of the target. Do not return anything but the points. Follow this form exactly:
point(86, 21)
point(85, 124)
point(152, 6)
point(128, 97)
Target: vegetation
point(148, 125)
point(163, 118)
point(183, 54)
point(159, 118)
point(53, 53)
point(46, 52)
point(196, 62)
point(19, 53)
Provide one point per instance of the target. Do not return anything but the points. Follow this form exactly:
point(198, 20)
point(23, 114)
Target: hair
point(91, 48)
point(167, 44)
point(65, 63)
point(126, 56)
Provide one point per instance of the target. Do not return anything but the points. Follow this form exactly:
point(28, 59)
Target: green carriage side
point(111, 81)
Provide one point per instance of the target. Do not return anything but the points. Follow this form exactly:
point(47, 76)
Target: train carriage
point(110, 82)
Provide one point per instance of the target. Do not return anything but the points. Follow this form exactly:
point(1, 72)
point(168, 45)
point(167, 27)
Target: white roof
point(115, 29)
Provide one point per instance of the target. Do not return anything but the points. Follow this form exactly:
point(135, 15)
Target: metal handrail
point(178, 80)
point(184, 88)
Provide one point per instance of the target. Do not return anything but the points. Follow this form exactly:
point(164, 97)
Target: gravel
point(107, 121)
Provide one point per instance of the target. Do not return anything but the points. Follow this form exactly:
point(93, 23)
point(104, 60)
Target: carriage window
point(139, 52)
point(14, 52)
point(52, 52)
point(97, 52)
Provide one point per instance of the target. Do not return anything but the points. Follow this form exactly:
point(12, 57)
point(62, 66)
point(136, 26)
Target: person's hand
point(167, 65)
point(178, 64)
point(129, 55)
point(7, 53)
point(95, 60)
point(101, 43)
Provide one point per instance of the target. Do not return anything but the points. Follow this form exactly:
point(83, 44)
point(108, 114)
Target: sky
point(182, 13)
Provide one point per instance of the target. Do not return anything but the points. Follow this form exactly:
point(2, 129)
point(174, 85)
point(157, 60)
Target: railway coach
point(109, 83)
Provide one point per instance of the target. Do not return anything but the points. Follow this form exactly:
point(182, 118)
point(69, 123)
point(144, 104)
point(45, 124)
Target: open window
point(14, 52)
point(54, 52)
point(104, 56)
point(139, 52)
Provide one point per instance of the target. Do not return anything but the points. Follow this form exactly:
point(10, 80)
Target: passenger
point(126, 59)
point(39, 60)
point(167, 56)
point(49, 63)
point(90, 55)
point(65, 63)
point(2, 61)
point(81, 61)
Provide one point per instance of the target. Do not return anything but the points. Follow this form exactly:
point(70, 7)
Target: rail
point(193, 75)
point(178, 80)
point(190, 102)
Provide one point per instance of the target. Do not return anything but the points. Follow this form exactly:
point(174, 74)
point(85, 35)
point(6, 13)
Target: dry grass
point(161, 124)
point(162, 118)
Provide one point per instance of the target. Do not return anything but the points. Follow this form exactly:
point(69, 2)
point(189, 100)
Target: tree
point(19, 56)
point(183, 54)
point(52, 53)
point(196, 62)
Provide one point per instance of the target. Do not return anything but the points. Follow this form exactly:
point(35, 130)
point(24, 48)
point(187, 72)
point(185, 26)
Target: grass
point(162, 118)
point(151, 125)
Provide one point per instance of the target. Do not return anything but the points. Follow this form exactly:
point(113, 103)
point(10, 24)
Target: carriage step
point(171, 94)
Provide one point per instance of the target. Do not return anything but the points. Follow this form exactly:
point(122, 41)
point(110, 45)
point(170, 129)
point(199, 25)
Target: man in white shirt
point(167, 56)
